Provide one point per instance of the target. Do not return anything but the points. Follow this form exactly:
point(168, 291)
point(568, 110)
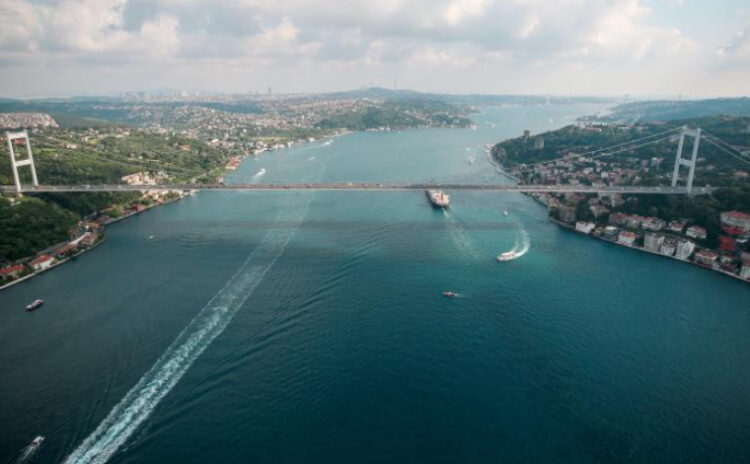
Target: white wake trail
point(460, 237)
point(523, 243)
point(260, 173)
point(210, 322)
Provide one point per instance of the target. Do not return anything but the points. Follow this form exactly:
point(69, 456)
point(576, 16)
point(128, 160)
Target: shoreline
point(564, 225)
point(655, 253)
point(81, 252)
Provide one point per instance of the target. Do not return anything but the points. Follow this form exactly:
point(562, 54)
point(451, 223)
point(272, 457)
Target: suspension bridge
point(680, 161)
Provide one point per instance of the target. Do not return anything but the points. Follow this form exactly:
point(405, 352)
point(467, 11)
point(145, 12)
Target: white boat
point(37, 441)
point(438, 198)
point(508, 256)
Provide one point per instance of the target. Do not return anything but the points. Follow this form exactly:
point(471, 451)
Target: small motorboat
point(37, 441)
point(507, 256)
point(34, 305)
point(450, 294)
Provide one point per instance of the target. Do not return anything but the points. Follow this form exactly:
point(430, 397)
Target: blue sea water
point(310, 327)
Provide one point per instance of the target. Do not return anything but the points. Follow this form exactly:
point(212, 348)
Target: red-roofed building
point(11, 272)
point(736, 219)
point(706, 257)
point(88, 238)
point(65, 249)
point(42, 262)
point(726, 243)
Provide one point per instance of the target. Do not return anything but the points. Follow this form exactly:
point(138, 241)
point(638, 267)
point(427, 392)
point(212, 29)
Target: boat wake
point(460, 237)
point(143, 398)
point(521, 246)
point(310, 158)
point(260, 173)
point(30, 450)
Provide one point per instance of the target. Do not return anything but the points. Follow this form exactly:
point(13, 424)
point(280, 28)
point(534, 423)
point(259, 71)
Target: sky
point(693, 48)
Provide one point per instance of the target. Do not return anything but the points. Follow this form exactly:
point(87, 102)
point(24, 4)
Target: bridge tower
point(690, 163)
point(15, 164)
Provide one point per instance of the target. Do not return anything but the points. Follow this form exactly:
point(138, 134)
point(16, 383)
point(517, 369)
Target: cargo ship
point(438, 198)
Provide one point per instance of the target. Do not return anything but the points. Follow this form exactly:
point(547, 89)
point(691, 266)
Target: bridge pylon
point(690, 163)
point(15, 164)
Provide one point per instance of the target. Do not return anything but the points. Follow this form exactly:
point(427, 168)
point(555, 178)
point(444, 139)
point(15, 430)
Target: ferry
point(34, 305)
point(508, 256)
point(438, 198)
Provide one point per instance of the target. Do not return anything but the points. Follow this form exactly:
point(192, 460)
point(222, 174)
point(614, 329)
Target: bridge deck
point(363, 186)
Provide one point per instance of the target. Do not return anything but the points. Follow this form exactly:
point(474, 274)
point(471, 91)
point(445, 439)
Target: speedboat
point(37, 441)
point(507, 256)
point(450, 294)
point(34, 305)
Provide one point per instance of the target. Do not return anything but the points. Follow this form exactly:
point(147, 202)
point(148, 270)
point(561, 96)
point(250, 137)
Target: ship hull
point(437, 199)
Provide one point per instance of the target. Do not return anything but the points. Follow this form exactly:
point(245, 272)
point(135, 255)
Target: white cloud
point(512, 35)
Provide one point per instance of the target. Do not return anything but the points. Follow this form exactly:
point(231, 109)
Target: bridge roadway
point(363, 186)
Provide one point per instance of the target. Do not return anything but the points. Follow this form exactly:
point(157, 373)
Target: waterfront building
point(736, 219)
point(633, 221)
point(11, 272)
point(696, 232)
point(668, 246)
point(42, 262)
point(685, 248)
point(610, 233)
point(585, 227)
point(653, 224)
point(652, 241)
point(65, 249)
point(706, 257)
point(676, 226)
point(626, 238)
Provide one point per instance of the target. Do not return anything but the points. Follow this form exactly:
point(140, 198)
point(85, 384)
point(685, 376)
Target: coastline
point(720, 271)
point(564, 225)
point(58, 263)
point(53, 266)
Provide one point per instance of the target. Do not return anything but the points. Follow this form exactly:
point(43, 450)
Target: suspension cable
point(710, 140)
point(603, 154)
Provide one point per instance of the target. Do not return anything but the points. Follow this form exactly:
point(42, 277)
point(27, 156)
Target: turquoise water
point(310, 327)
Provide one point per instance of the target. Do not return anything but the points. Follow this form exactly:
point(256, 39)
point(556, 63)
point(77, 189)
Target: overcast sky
point(567, 47)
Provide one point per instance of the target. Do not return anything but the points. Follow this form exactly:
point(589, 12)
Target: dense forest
point(31, 225)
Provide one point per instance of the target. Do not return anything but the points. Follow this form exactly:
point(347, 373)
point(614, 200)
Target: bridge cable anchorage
point(623, 144)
